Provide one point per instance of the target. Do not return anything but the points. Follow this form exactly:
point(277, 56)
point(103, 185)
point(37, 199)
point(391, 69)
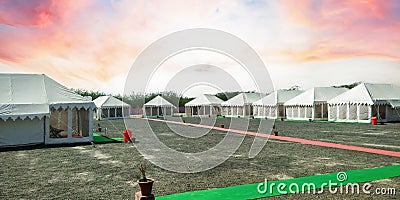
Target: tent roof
point(30, 95)
point(278, 97)
point(205, 99)
point(315, 95)
point(109, 101)
point(242, 99)
point(159, 101)
point(368, 93)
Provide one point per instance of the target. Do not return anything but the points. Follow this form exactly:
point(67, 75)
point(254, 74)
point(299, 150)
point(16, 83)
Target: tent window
point(80, 123)
point(281, 111)
point(273, 110)
point(379, 111)
point(295, 112)
point(333, 112)
point(382, 111)
point(308, 112)
point(112, 112)
point(353, 112)
point(240, 110)
point(58, 123)
point(343, 112)
point(302, 112)
point(318, 111)
point(325, 110)
point(119, 112)
point(363, 112)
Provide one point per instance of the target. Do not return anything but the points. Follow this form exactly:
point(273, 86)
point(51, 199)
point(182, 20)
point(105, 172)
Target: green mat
point(249, 191)
point(98, 138)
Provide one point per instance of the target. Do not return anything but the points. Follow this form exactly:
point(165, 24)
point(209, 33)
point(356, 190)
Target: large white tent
point(36, 109)
point(365, 101)
point(158, 106)
point(311, 104)
point(240, 105)
point(205, 104)
point(272, 105)
point(110, 107)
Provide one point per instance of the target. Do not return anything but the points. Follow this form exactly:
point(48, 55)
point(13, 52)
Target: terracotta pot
point(146, 187)
point(222, 126)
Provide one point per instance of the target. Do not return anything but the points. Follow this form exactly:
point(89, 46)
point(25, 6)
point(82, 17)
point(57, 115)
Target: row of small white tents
point(36, 109)
point(359, 104)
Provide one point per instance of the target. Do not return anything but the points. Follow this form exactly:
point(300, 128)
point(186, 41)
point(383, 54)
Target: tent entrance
point(69, 125)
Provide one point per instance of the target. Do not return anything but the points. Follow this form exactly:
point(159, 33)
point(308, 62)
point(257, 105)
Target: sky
point(92, 44)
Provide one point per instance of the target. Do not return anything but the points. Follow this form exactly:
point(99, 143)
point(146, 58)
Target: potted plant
point(145, 184)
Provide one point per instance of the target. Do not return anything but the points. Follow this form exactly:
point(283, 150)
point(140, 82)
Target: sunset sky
point(91, 44)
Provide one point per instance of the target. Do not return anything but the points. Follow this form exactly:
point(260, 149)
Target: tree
point(349, 86)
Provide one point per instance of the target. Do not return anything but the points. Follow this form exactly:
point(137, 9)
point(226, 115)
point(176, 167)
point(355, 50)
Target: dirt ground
point(109, 171)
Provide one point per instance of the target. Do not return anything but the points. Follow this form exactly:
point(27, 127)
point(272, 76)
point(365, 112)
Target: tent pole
point(69, 118)
point(91, 124)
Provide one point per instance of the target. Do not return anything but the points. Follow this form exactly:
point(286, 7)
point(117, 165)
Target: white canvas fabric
point(315, 96)
point(367, 93)
point(32, 95)
point(205, 99)
point(243, 99)
point(158, 101)
point(109, 101)
point(277, 97)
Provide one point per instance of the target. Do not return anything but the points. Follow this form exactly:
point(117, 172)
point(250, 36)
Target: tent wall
point(153, 111)
point(393, 115)
point(21, 132)
point(112, 112)
point(350, 113)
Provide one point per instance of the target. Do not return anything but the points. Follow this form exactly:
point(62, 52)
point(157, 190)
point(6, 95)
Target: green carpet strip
point(98, 138)
point(250, 191)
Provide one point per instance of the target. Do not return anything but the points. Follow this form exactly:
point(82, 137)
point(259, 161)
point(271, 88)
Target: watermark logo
point(148, 63)
point(341, 176)
point(332, 186)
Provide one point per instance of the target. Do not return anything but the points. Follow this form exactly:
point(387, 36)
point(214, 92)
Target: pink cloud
point(346, 28)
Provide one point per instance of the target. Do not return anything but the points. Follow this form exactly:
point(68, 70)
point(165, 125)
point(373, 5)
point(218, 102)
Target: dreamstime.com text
point(332, 187)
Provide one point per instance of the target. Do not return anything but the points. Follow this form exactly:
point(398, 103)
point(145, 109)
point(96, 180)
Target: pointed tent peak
point(37, 88)
point(315, 95)
point(109, 101)
point(159, 101)
point(368, 93)
point(205, 99)
point(358, 94)
point(243, 98)
point(278, 97)
point(31, 95)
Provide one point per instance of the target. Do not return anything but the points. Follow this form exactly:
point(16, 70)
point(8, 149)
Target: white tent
point(36, 109)
point(271, 106)
point(111, 108)
point(205, 104)
point(311, 104)
point(241, 104)
point(158, 106)
point(365, 101)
